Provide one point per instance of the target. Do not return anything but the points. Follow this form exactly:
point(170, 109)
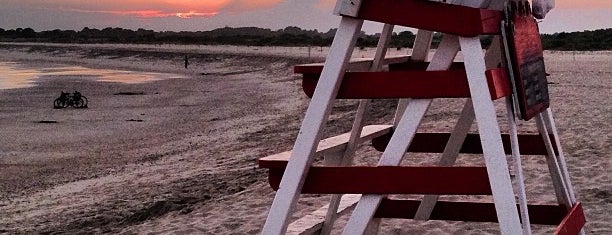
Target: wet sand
point(178, 155)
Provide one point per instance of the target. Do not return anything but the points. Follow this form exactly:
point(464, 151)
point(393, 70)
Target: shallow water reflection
point(16, 75)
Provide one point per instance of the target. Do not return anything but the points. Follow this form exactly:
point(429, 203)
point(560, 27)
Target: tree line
point(289, 36)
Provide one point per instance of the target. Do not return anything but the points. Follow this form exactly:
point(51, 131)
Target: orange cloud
point(159, 8)
point(191, 14)
point(149, 13)
point(138, 8)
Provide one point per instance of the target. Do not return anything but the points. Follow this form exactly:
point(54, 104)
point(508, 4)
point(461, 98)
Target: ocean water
point(16, 75)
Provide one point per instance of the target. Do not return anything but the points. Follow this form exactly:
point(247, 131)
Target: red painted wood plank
point(573, 221)
point(433, 16)
point(409, 65)
point(405, 84)
point(308, 68)
point(392, 180)
point(499, 85)
point(404, 66)
point(529, 144)
point(409, 84)
point(466, 211)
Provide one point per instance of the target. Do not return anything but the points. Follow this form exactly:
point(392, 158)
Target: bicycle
point(76, 100)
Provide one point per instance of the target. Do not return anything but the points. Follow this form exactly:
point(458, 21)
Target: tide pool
point(16, 75)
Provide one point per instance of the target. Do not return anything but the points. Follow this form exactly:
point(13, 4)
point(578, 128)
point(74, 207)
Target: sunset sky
point(195, 15)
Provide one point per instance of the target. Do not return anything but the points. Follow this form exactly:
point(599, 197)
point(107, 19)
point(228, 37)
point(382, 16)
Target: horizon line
point(245, 27)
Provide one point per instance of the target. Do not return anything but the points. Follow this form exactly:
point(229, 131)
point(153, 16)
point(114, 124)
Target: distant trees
point(18, 33)
point(579, 41)
point(289, 36)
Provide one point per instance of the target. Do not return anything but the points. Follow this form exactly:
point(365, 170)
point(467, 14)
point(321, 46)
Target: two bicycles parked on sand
point(66, 99)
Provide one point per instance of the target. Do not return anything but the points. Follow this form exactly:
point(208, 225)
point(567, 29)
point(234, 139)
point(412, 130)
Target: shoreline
point(179, 155)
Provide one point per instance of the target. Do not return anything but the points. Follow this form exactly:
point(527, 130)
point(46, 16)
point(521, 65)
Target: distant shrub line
point(290, 36)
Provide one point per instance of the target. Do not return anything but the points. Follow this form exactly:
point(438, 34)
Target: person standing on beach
point(186, 62)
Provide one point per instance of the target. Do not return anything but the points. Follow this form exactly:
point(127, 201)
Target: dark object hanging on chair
point(524, 56)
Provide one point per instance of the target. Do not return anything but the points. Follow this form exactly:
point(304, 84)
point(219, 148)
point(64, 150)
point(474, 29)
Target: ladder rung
point(529, 144)
point(326, 146)
point(432, 16)
point(410, 84)
point(358, 64)
point(469, 211)
point(391, 180)
point(312, 223)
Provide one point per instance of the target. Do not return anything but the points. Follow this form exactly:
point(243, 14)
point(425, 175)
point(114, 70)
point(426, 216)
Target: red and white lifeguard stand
point(416, 82)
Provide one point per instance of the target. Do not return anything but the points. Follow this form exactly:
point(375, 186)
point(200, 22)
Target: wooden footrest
point(391, 180)
point(529, 144)
point(359, 64)
point(326, 146)
point(416, 84)
point(484, 212)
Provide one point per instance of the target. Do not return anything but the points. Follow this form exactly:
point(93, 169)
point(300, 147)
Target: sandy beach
point(178, 154)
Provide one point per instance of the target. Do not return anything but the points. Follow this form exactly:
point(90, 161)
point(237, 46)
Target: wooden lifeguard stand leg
point(458, 135)
point(321, 220)
point(309, 224)
point(310, 132)
point(360, 116)
point(549, 122)
point(420, 51)
point(555, 160)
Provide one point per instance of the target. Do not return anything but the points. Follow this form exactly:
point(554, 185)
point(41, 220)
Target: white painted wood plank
point(402, 137)
point(556, 163)
point(453, 146)
point(420, 50)
point(364, 64)
point(360, 117)
point(516, 157)
point(549, 121)
point(337, 143)
point(552, 128)
point(356, 129)
point(374, 224)
point(347, 7)
point(312, 223)
point(493, 57)
point(449, 156)
point(422, 44)
point(314, 120)
point(559, 185)
point(490, 136)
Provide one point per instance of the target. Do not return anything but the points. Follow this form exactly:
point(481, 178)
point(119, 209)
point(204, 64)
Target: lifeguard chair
point(512, 68)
